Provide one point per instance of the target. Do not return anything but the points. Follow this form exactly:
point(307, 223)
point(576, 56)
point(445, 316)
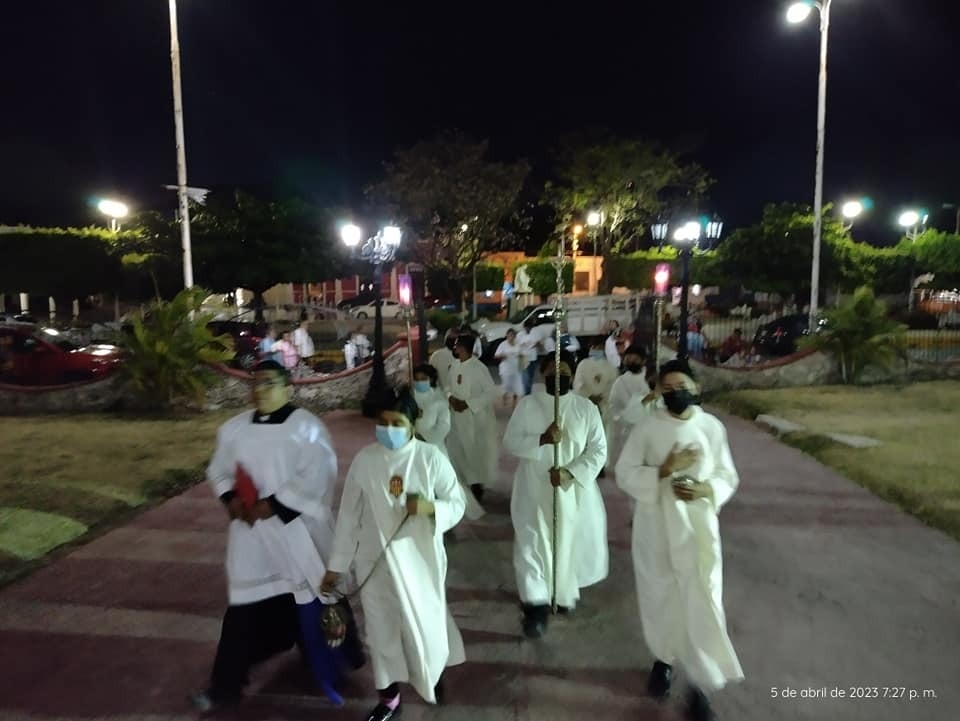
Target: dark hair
point(429, 371)
point(565, 357)
point(404, 403)
point(636, 350)
point(676, 366)
point(304, 316)
point(465, 341)
point(272, 365)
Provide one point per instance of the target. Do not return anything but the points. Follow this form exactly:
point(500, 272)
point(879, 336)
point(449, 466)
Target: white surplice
point(676, 545)
point(626, 388)
point(582, 553)
point(472, 443)
point(293, 461)
point(410, 633)
point(511, 366)
point(433, 425)
point(441, 359)
point(595, 377)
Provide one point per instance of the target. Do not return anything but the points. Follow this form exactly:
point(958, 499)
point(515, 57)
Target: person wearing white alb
point(442, 358)
point(632, 384)
point(594, 380)
point(612, 346)
point(510, 355)
point(678, 469)
point(302, 340)
point(433, 423)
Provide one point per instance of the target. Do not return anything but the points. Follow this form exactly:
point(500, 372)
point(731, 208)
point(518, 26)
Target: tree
point(170, 348)
point(629, 182)
point(935, 252)
point(240, 241)
point(543, 278)
point(454, 203)
point(859, 334)
point(776, 254)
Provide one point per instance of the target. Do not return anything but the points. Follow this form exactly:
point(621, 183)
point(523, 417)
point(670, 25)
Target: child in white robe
point(510, 355)
point(433, 423)
point(678, 468)
point(399, 497)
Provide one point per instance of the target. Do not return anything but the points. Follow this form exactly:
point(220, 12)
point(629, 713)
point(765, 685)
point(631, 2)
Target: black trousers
point(251, 634)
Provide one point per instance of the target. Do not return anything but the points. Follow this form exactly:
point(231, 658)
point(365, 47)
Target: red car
point(33, 357)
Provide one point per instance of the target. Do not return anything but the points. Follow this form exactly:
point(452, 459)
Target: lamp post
point(114, 210)
point(913, 222)
point(378, 251)
point(405, 291)
point(661, 280)
point(797, 13)
point(182, 197)
point(851, 210)
point(685, 238)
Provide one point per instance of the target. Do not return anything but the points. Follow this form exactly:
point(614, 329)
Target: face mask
point(635, 367)
point(597, 354)
point(393, 437)
point(421, 386)
point(551, 384)
point(678, 401)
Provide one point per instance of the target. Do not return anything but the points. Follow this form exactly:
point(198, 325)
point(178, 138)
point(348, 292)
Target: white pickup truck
point(586, 318)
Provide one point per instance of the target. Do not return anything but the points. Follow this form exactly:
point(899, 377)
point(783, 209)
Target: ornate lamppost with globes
point(378, 250)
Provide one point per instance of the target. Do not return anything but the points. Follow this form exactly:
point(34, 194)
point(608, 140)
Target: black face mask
point(678, 401)
point(635, 367)
point(551, 383)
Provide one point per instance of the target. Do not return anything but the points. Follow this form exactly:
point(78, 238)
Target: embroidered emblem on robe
point(459, 379)
point(396, 486)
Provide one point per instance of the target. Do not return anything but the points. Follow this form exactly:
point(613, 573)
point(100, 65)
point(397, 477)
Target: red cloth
point(244, 487)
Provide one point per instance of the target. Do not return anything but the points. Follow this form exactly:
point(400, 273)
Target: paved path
point(826, 587)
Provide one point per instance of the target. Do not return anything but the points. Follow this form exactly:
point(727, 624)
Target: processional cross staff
point(558, 264)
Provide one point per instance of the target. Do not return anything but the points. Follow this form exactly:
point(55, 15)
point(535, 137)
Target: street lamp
point(713, 229)
point(797, 13)
point(686, 239)
point(114, 210)
point(851, 210)
point(182, 195)
point(378, 251)
point(912, 222)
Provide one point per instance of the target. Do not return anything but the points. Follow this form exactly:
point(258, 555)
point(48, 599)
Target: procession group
point(292, 567)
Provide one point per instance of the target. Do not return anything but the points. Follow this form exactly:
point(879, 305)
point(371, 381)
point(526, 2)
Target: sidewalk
point(826, 587)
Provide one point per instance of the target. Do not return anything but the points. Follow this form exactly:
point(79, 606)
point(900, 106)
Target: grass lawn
point(62, 477)
point(917, 464)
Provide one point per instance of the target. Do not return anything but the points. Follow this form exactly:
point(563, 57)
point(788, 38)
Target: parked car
point(42, 358)
point(780, 337)
point(246, 339)
point(389, 308)
point(364, 298)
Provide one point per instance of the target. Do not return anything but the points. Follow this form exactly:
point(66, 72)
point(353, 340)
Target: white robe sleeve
point(580, 382)
point(723, 477)
point(521, 438)
point(634, 476)
point(482, 391)
point(345, 537)
point(222, 469)
point(587, 466)
point(315, 472)
point(449, 502)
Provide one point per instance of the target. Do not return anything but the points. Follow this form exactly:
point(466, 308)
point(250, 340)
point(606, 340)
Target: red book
point(244, 487)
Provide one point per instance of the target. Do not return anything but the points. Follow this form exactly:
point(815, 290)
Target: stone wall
point(88, 396)
point(319, 395)
point(807, 368)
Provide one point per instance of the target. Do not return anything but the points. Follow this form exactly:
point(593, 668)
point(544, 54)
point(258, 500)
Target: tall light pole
point(912, 222)
point(797, 13)
point(378, 250)
point(686, 239)
point(851, 210)
point(182, 198)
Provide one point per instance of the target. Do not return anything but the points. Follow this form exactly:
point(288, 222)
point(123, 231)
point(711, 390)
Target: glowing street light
point(912, 222)
point(115, 210)
point(594, 219)
point(797, 13)
point(852, 209)
point(351, 235)
point(909, 219)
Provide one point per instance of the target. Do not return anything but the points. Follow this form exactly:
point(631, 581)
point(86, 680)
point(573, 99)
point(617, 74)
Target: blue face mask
point(393, 437)
point(421, 386)
point(597, 354)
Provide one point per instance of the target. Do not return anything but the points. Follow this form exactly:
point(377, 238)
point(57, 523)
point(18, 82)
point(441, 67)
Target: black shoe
point(658, 683)
point(382, 712)
point(209, 701)
point(699, 707)
point(535, 620)
point(477, 489)
point(440, 693)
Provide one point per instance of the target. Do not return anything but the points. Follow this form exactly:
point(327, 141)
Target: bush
point(442, 320)
point(169, 350)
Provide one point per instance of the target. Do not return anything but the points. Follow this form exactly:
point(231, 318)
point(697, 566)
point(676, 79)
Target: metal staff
point(658, 313)
point(557, 321)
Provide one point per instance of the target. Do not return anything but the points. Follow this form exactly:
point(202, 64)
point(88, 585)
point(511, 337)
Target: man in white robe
point(274, 470)
point(678, 468)
point(400, 496)
point(594, 380)
point(630, 385)
point(581, 552)
point(442, 358)
point(472, 443)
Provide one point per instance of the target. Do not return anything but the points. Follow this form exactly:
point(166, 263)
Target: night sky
point(310, 97)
